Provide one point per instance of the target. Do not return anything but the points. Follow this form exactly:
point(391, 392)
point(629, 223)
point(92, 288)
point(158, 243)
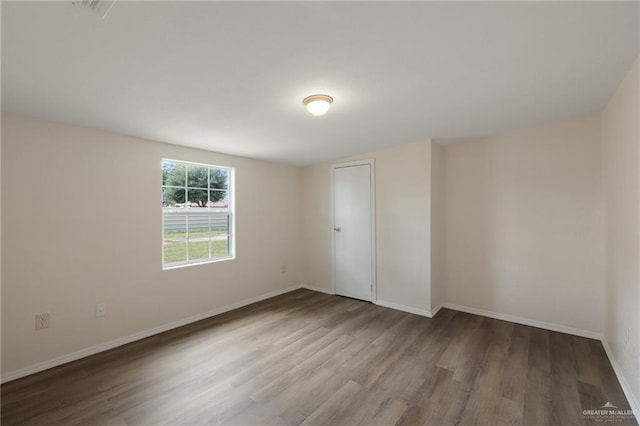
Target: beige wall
point(0, 237)
point(438, 217)
point(82, 224)
point(317, 228)
point(621, 182)
point(402, 225)
point(523, 225)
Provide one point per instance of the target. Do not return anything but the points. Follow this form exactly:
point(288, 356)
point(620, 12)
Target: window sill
point(184, 265)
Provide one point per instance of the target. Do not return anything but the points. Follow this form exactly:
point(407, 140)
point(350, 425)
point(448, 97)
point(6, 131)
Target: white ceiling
point(230, 77)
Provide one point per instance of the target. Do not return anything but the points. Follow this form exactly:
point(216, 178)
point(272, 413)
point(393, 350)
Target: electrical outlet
point(101, 310)
point(42, 321)
point(283, 268)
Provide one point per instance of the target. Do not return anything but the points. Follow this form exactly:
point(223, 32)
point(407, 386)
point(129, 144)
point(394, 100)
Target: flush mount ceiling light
point(317, 104)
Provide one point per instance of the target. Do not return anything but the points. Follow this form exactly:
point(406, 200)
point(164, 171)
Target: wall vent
point(99, 7)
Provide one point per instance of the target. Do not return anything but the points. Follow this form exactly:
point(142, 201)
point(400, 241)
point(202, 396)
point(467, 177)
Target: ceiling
point(230, 77)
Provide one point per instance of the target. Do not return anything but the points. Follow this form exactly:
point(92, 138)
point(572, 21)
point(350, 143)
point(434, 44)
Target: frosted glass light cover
point(318, 108)
point(318, 104)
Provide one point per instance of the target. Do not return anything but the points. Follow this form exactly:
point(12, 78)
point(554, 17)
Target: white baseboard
point(526, 321)
point(383, 303)
point(26, 371)
point(318, 289)
point(626, 388)
point(405, 308)
point(435, 310)
point(13, 375)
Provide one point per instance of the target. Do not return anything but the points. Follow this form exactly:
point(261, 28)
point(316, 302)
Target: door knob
point(337, 229)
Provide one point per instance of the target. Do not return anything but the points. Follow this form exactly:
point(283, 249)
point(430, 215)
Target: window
point(197, 213)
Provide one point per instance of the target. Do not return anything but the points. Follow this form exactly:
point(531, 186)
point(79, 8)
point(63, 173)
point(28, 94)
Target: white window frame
point(230, 212)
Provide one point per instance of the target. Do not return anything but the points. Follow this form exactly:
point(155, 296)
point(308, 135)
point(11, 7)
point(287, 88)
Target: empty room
point(320, 213)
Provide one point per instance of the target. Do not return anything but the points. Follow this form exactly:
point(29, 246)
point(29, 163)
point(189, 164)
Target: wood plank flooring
point(313, 359)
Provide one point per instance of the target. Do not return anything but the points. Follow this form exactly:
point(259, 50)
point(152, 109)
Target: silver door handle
point(337, 229)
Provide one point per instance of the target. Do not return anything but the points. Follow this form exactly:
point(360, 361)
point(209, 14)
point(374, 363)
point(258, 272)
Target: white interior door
point(353, 231)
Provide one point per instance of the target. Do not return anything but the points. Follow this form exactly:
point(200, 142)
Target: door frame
point(372, 170)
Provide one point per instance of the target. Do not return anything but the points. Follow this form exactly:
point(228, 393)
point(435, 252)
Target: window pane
point(175, 251)
point(173, 197)
point(198, 176)
point(175, 225)
point(219, 199)
point(219, 179)
point(197, 198)
point(195, 211)
point(220, 246)
point(219, 225)
point(199, 226)
point(173, 173)
point(198, 248)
